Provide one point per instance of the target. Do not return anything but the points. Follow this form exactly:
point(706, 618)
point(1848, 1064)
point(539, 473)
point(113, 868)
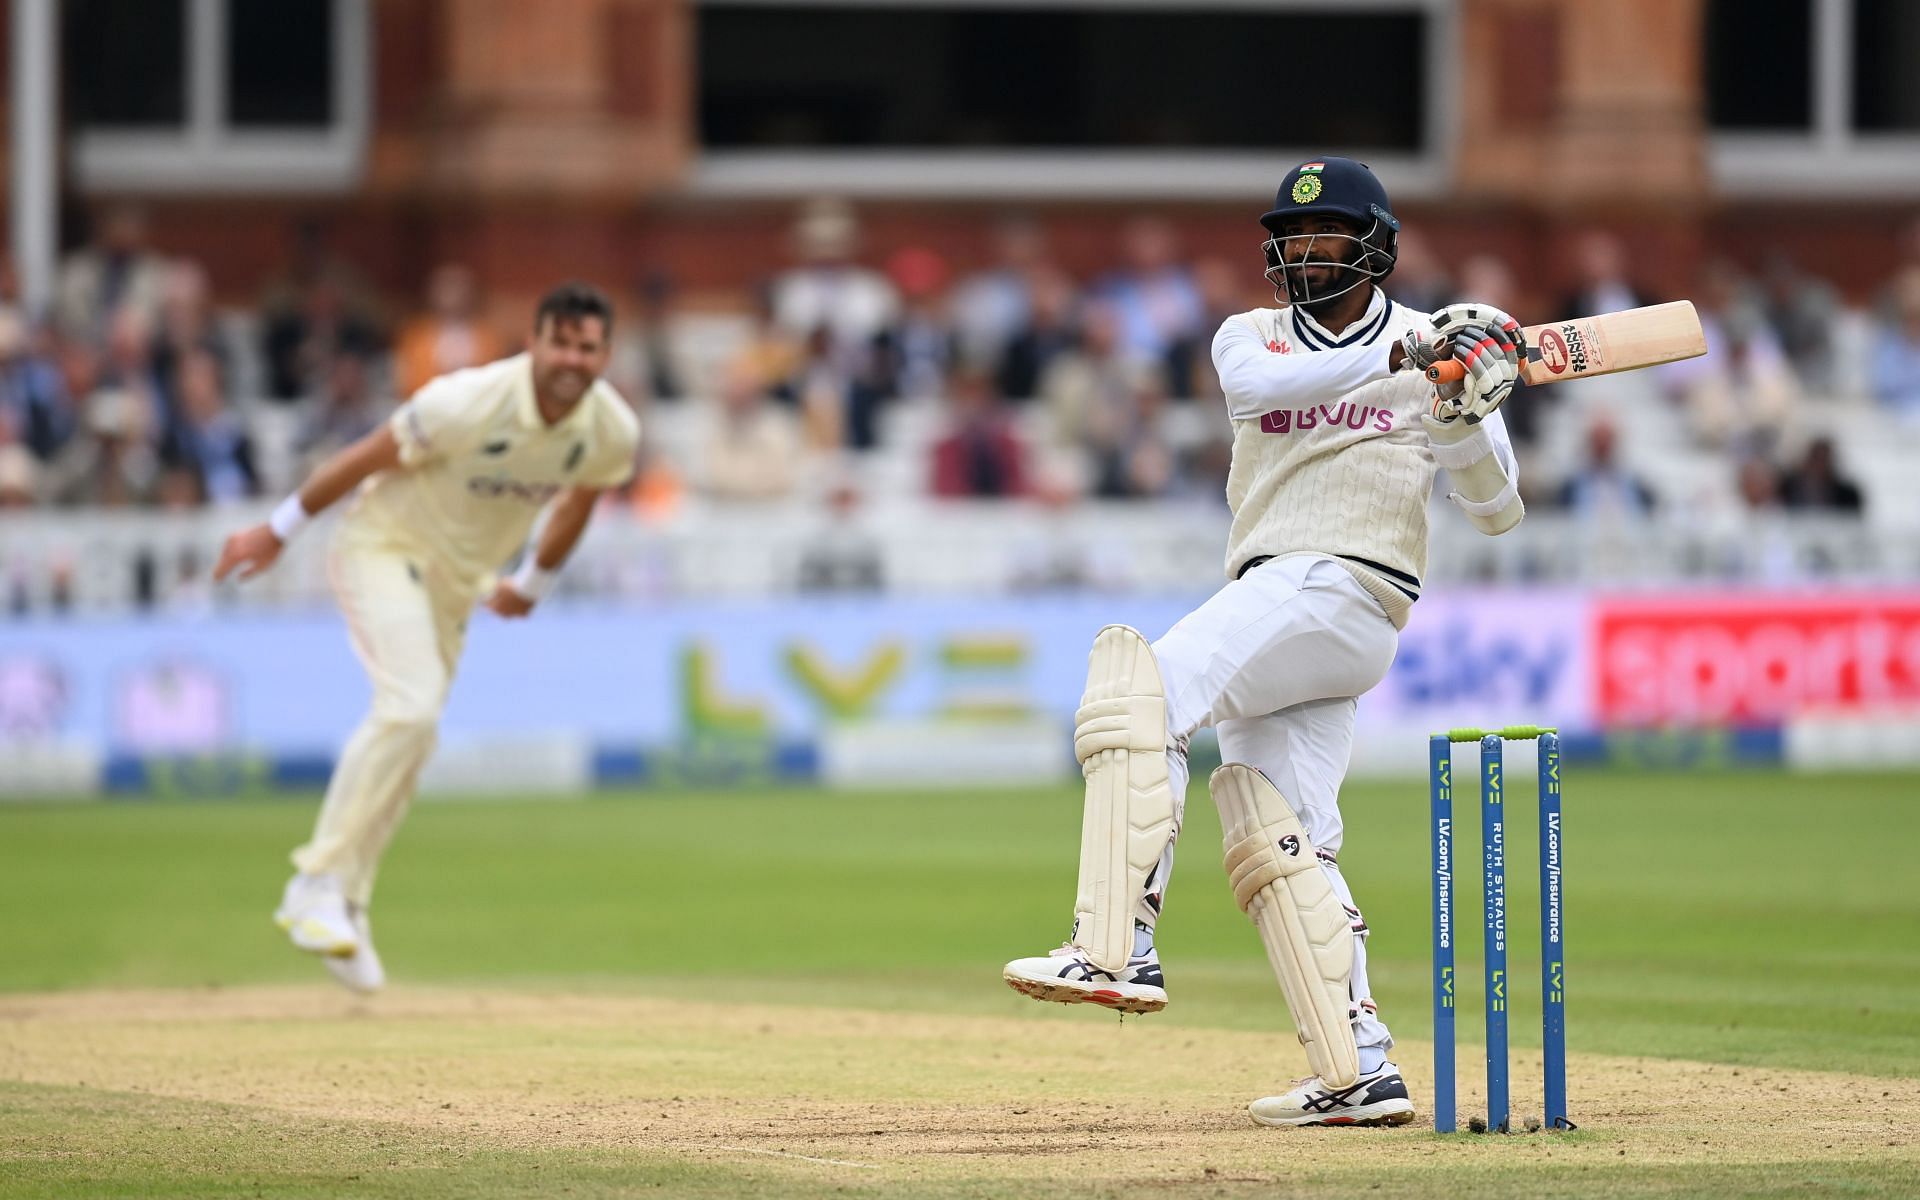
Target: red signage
point(1757, 659)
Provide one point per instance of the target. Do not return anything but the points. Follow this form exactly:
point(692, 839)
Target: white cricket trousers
point(408, 625)
point(1275, 662)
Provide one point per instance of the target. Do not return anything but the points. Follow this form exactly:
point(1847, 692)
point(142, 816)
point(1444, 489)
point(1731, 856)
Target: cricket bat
point(1589, 346)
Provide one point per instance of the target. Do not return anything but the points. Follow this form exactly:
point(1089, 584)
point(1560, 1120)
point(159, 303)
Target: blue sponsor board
point(652, 676)
point(744, 762)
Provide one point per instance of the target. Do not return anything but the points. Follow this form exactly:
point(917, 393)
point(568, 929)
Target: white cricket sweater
point(1329, 455)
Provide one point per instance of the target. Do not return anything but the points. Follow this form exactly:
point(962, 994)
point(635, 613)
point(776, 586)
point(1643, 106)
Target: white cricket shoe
point(360, 971)
point(1064, 976)
point(313, 912)
point(1377, 1098)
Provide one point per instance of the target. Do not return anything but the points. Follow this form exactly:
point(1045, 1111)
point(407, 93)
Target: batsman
point(448, 489)
point(1337, 439)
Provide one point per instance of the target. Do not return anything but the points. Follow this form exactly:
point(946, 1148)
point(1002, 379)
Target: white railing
point(115, 560)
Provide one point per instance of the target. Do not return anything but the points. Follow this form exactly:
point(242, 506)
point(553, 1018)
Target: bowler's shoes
point(313, 912)
point(361, 970)
point(1378, 1098)
point(1064, 976)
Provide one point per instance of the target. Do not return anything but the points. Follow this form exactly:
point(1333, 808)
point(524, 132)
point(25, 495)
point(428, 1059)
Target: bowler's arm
point(566, 521)
point(254, 549)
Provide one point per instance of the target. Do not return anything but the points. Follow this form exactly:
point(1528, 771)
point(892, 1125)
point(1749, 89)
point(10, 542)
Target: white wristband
point(289, 518)
point(531, 581)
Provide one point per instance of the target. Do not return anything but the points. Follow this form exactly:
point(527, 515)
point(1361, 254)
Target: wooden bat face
point(1600, 345)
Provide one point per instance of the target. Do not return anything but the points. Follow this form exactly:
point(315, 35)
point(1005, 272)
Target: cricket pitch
point(429, 1092)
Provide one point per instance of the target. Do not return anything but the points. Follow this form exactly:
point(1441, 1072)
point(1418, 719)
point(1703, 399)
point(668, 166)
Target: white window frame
point(208, 154)
point(1040, 174)
point(1832, 159)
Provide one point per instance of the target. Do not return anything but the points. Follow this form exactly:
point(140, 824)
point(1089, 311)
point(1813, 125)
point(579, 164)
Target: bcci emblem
point(1306, 189)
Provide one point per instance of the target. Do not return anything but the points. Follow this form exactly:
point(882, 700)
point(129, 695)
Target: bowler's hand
point(506, 602)
point(250, 551)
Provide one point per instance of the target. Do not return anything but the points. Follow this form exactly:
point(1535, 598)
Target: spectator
point(1802, 312)
point(19, 476)
point(208, 439)
point(1224, 292)
point(839, 407)
point(1906, 259)
point(843, 556)
point(1132, 459)
point(771, 357)
point(1601, 489)
point(1766, 550)
point(979, 455)
point(1418, 280)
point(1047, 333)
point(753, 452)
point(991, 308)
point(302, 342)
point(1084, 389)
point(828, 290)
point(1896, 349)
point(1817, 485)
point(185, 325)
point(35, 410)
point(656, 491)
point(115, 272)
point(129, 367)
point(317, 311)
point(1154, 299)
point(918, 349)
point(646, 364)
point(1742, 393)
point(1602, 281)
point(1757, 484)
point(347, 411)
point(1487, 277)
point(179, 488)
point(449, 335)
point(113, 464)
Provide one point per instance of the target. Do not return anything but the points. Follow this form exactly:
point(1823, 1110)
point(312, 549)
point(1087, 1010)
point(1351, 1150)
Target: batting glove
point(1422, 349)
point(1493, 368)
point(1504, 332)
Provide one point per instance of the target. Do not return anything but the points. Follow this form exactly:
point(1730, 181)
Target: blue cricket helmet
point(1345, 188)
point(1332, 185)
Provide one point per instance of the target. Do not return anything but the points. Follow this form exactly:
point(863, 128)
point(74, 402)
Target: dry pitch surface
point(300, 1091)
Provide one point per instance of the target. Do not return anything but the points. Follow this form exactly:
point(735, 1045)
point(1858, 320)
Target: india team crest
point(1306, 189)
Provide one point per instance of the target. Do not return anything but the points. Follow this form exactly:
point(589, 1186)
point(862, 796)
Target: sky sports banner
point(800, 671)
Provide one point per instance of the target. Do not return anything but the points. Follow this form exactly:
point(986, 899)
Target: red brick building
point(604, 138)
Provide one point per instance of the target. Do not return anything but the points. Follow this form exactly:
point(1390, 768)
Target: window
point(1886, 49)
point(279, 64)
point(199, 95)
point(1758, 68)
point(1809, 97)
point(986, 97)
point(125, 63)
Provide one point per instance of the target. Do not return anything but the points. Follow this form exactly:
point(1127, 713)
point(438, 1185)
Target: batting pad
point(1278, 882)
point(1120, 738)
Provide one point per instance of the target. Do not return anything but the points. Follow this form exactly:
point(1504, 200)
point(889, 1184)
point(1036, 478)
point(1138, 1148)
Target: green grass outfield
point(1750, 919)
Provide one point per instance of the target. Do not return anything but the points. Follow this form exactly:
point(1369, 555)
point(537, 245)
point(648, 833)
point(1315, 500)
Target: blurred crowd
point(1025, 380)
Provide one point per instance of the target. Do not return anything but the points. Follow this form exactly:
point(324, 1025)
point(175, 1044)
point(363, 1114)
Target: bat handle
point(1447, 370)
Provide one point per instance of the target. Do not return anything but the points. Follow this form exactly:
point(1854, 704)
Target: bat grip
point(1447, 370)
